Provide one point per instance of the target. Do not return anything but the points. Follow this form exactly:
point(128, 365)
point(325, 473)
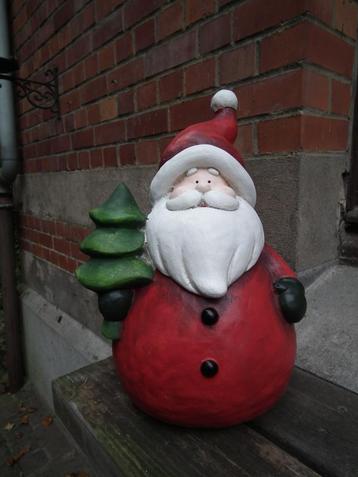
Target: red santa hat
point(208, 145)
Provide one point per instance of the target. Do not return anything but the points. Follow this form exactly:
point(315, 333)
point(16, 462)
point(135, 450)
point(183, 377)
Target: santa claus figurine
point(208, 341)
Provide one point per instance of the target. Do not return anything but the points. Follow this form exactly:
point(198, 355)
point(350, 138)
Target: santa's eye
point(209, 182)
point(196, 182)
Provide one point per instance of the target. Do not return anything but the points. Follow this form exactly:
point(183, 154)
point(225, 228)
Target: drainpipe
point(8, 171)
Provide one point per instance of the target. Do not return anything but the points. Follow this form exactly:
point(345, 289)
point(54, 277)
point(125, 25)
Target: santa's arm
point(290, 291)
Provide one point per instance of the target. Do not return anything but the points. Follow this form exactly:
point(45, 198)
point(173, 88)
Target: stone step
point(312, 431)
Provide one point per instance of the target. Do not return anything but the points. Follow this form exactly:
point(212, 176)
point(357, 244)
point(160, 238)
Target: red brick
point(163, 142)
point(146, 95)
point(215, 34)
point(67, 81)
point(346, 12)
point(70, 265)
point(94, 89)
point(96, 159)
point(60, 144)
point(237, 64)
point(309, 42)
point(44, 239)
point(106, 57)
point(85, 19)
point(110, 156)
point(244, 140)
point(309, 133)
point(341, 97)
point(147, 152)
point(72, 161)
point(110, 133)
point(108, 29)
point(147, 124)
point(54, 257)
point(170, 20)
point(321, 9)
point(104, 8)
point(93, 113)
point(315, 90)
point(324, 134)
point(49, 227)
point(91, 66)
point(82, 139)
point(172, 53)
point(126, 102)
point(70, 101)
point(144, 35)
point(124, 47)
point(126, 75)
point(78, 50)
point(188, 112)
point(272, 13)
point(76, 233)
point(60, 229)
point(171, 86)
point(61, 160)
point(127, 154)
point(108, 108)
point(200, 76)
point(69, 121)
point(80, 118)
point(271, 94)
point(279, 135)
point(64, 15)
point(76, 253)
point(135, 10)
point(42, 252)
point(61, 245)
point(198, 10)
point(83, 160)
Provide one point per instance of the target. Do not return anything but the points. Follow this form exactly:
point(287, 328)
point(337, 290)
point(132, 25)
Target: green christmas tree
point(115, 265)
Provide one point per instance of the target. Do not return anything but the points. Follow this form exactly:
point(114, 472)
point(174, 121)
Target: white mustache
point(193, 198)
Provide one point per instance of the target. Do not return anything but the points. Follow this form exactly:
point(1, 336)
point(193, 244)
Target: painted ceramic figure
point(208, 338)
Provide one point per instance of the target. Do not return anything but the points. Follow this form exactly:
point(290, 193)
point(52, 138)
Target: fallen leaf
point(15, 458)
point(9, 426)
point(47, 421)
point(19, 435)
point(24, 420)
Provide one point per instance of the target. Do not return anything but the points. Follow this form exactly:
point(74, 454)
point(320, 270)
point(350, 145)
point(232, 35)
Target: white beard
point(204, 249)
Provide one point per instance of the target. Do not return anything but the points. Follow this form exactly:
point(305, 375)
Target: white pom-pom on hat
point(224, 99)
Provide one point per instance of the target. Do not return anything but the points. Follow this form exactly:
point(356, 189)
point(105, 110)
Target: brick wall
point(133, 72)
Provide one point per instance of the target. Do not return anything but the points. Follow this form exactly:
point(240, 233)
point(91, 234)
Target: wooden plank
point(317, 421)
point(122, 441)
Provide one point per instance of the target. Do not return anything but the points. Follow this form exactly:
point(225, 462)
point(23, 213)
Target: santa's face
point(202, 234)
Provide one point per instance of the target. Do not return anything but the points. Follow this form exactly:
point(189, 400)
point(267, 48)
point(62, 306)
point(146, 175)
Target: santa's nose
point(202, 187)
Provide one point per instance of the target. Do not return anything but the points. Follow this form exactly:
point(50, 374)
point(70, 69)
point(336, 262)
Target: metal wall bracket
point(43, 95)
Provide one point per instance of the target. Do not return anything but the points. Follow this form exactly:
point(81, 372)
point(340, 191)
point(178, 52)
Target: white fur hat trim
point(203, 155)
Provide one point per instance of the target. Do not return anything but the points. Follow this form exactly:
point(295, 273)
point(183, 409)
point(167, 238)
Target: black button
point(209, 316)
point(209, 368)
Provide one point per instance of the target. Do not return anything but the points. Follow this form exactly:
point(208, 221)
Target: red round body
point(165, 341)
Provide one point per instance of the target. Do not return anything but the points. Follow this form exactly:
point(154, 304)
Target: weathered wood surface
point(317, 422)
point(122, 441)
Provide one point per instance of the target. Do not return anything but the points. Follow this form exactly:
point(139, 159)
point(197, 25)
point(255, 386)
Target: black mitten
point(114, 306)
point(291, 296)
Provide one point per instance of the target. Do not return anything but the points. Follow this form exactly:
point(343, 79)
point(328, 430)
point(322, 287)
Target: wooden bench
point(312, 431)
